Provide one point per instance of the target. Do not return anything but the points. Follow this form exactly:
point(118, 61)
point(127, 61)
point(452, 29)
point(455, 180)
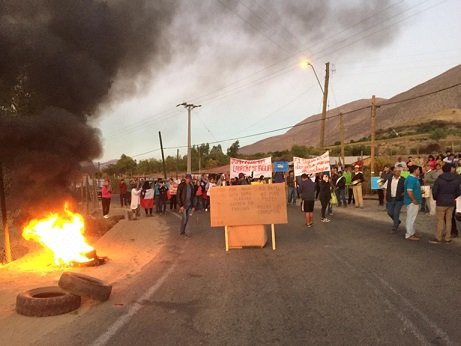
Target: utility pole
point(189, 107)
point(324, 106)
point(6, 232)
point(177, 162)
point(341, 136)
point(163, 155)
point(373, 132)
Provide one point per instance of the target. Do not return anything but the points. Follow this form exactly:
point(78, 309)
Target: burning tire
point(85, 286)
point(46, 301)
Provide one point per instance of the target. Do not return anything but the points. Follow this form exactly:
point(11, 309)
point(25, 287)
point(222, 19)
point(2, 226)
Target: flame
point(62, 233)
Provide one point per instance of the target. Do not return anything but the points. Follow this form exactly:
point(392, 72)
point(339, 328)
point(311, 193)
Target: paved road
point(349, 282)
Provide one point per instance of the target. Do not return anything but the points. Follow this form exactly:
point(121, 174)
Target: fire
point(62, 233)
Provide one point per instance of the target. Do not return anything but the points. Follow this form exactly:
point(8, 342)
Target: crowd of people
point(428, 185)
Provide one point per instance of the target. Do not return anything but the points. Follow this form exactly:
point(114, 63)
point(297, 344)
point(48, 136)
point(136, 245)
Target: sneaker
point(435, 241)
point(326, 220)
point(106, 216)
point(309, 225)
point(448, 241)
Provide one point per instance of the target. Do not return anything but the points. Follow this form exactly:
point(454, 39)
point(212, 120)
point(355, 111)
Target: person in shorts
point(307, 193)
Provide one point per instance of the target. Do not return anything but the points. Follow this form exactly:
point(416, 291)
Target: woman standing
point(106, 194)
point(147, 198)
point(324, 195)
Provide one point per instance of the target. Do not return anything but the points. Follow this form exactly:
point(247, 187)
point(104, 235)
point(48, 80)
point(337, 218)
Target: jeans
point(123, 200)
point(393, 210)
point(412, 212)
point(291, 195)
point(173, 202)
point(444, 222)
point(341, 196)
point(185, 219)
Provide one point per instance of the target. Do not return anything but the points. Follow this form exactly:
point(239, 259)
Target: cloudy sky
point(241, 60)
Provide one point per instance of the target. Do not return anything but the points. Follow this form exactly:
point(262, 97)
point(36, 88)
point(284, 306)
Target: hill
point(394, 112)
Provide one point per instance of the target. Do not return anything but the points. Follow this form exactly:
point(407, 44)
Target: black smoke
point(59, 62)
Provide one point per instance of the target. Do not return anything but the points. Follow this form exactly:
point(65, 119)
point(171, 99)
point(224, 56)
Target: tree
point(126, 164)
point(233, 150)
point(217, 155)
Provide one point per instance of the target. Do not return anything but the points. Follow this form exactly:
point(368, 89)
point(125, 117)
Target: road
point(349, 282)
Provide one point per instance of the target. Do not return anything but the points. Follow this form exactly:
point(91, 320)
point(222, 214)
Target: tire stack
point(64, 298)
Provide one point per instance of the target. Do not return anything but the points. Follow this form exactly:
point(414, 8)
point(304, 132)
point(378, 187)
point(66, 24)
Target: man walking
point(394, 188)
point(446, 190)
point(412, 199)
point(307, 192)
point(341, 190)
point(185, 196)
point(357, 180)
point(291, 188)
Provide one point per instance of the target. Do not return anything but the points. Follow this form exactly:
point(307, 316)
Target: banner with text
point(314, 165)
point(251, 167)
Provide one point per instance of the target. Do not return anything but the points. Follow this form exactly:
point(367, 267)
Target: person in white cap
point(357, 180)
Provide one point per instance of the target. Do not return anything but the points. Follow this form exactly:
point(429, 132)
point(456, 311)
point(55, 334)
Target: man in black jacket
point(445, 191)
point(185, 196)
point(307, 192)
point(394, 189)
point(340, 187)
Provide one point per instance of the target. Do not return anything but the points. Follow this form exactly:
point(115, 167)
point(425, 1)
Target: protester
point(211, 184)
point(185, 196)
point(412, 199)
point(173, 190)
point(357, 180)
point(341, 190)
point(394, 188)
point(163, 198)
point(431, 161)
point(135, 200)
point(384, 177)
point(123, 193)
point(307, 192)
point(401, 163)
point(325, 196)
point(147, 198)
point(445, 191)
point(106, 195)
point(291, 188)
point(348, 176)
point(242, 180)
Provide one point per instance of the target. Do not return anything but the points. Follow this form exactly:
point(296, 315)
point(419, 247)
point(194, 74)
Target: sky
point(241, 61)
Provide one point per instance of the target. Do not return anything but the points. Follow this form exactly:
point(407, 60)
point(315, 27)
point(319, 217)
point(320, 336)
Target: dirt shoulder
point(129, 246)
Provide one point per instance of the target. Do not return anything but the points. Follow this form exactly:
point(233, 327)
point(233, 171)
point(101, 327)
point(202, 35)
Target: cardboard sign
point(251, 167)
point(281, 166)
point(315, 165)
point(248, 205)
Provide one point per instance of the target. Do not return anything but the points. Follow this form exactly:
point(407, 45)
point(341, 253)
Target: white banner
point(249, 167)
point(315, 165)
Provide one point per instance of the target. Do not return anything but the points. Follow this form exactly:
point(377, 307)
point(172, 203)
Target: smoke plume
point(59, 61)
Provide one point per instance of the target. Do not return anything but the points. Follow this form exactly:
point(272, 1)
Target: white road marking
point(104, 338)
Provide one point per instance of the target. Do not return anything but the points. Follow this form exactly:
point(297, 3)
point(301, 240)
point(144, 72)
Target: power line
point(309, 122)
point(214, 96)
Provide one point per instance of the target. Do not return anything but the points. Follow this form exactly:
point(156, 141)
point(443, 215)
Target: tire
point(85, 286)
point(46, 301)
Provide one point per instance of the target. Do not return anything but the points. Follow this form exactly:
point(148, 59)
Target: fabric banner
point(254, 168)
point(281, 166)
point(314, 165)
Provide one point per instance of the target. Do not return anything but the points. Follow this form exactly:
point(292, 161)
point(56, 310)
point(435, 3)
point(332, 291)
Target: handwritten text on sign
point(312, 166)
point(247, 167)
point(248, 205)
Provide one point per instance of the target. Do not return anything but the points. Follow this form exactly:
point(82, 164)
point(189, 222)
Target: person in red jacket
point(123, 190)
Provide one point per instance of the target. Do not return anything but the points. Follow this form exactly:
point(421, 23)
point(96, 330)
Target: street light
point(305, 64)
